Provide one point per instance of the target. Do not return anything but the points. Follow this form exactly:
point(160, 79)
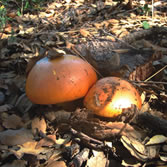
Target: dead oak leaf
point(157, 139)
point(85, 33)
point(30, 148)
point(97, 159)
point(54, 158)
point(138, 150)
point(47, 141)
point(16, 163)
point(13, 122)
point(57, 164)
point(15, 137)
point(38, 124)
point(5, 107)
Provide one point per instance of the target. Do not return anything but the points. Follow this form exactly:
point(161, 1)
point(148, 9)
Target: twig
point(155, 73)
point(89, 141)
point(150, 82)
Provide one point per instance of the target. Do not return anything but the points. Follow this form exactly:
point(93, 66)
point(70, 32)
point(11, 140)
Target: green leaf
point(146, 25)
point(18, 13)
point(27, 5)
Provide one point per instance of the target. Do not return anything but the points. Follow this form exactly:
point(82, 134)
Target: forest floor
point(33, 135)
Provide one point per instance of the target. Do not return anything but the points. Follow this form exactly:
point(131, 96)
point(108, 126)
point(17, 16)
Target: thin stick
point(155, 73)
point(150, 82)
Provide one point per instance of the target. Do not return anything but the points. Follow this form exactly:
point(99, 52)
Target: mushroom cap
point(62, 79)
point(109, 96)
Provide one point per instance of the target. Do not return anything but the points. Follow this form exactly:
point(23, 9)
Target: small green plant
point(145, 10)
point(27, 5)
point(146, 25)
point(3, 17)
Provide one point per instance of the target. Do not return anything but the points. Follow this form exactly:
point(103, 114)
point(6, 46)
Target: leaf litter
point(35, 135)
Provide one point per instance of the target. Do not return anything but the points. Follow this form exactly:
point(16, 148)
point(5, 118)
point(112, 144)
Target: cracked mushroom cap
point(109, 96)
point(59, 80)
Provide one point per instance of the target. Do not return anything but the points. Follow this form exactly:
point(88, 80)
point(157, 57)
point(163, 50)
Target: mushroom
point(63, 79)
point(109, 96)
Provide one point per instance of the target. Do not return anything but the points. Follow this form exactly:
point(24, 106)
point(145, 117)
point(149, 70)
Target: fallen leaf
point(38, 124)
point(163, 158)
point(54, 157)
point(30, 148)
point(85, 33)
point(13, 122)
point(16, 163)
point(5, 107)
point(57, 164)
point(23, 104)
point(130, 165)
point(157, 139)
point(58, 116)
point(47, 141)
point(97, 159)
point(12, 14)
point(15, 137)
point(136, 148)
point(98, 25)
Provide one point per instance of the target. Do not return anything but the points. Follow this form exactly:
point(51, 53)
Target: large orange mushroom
point(109, 96)
point(59, 80)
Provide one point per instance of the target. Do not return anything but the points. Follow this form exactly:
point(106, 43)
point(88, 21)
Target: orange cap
point(62, 79)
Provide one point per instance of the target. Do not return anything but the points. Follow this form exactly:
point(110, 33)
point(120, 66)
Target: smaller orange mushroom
point(59, 80)
point(109, 96)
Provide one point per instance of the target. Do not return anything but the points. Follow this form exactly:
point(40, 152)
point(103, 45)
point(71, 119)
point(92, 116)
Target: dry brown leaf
point(58, 116)
point(57, 164)
point(69, 45)
point(27, 30)
point(157, 139)
point(54, 157)
point(13, 122)
point(5, 107)
point(136, 148)
point(85, 33)
point(12, 14)
point(113, 21)
point(163, 158)
point(8, 29)
point(4, 36)
point(97, 159)
point(15, 137)
point(130, 165)
point(106, 24)
point(23, 104)
point(98, 25)
point(145, 107)
point(30, 148)
point(16, 163)
point(38, 124)
point(47, 141)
